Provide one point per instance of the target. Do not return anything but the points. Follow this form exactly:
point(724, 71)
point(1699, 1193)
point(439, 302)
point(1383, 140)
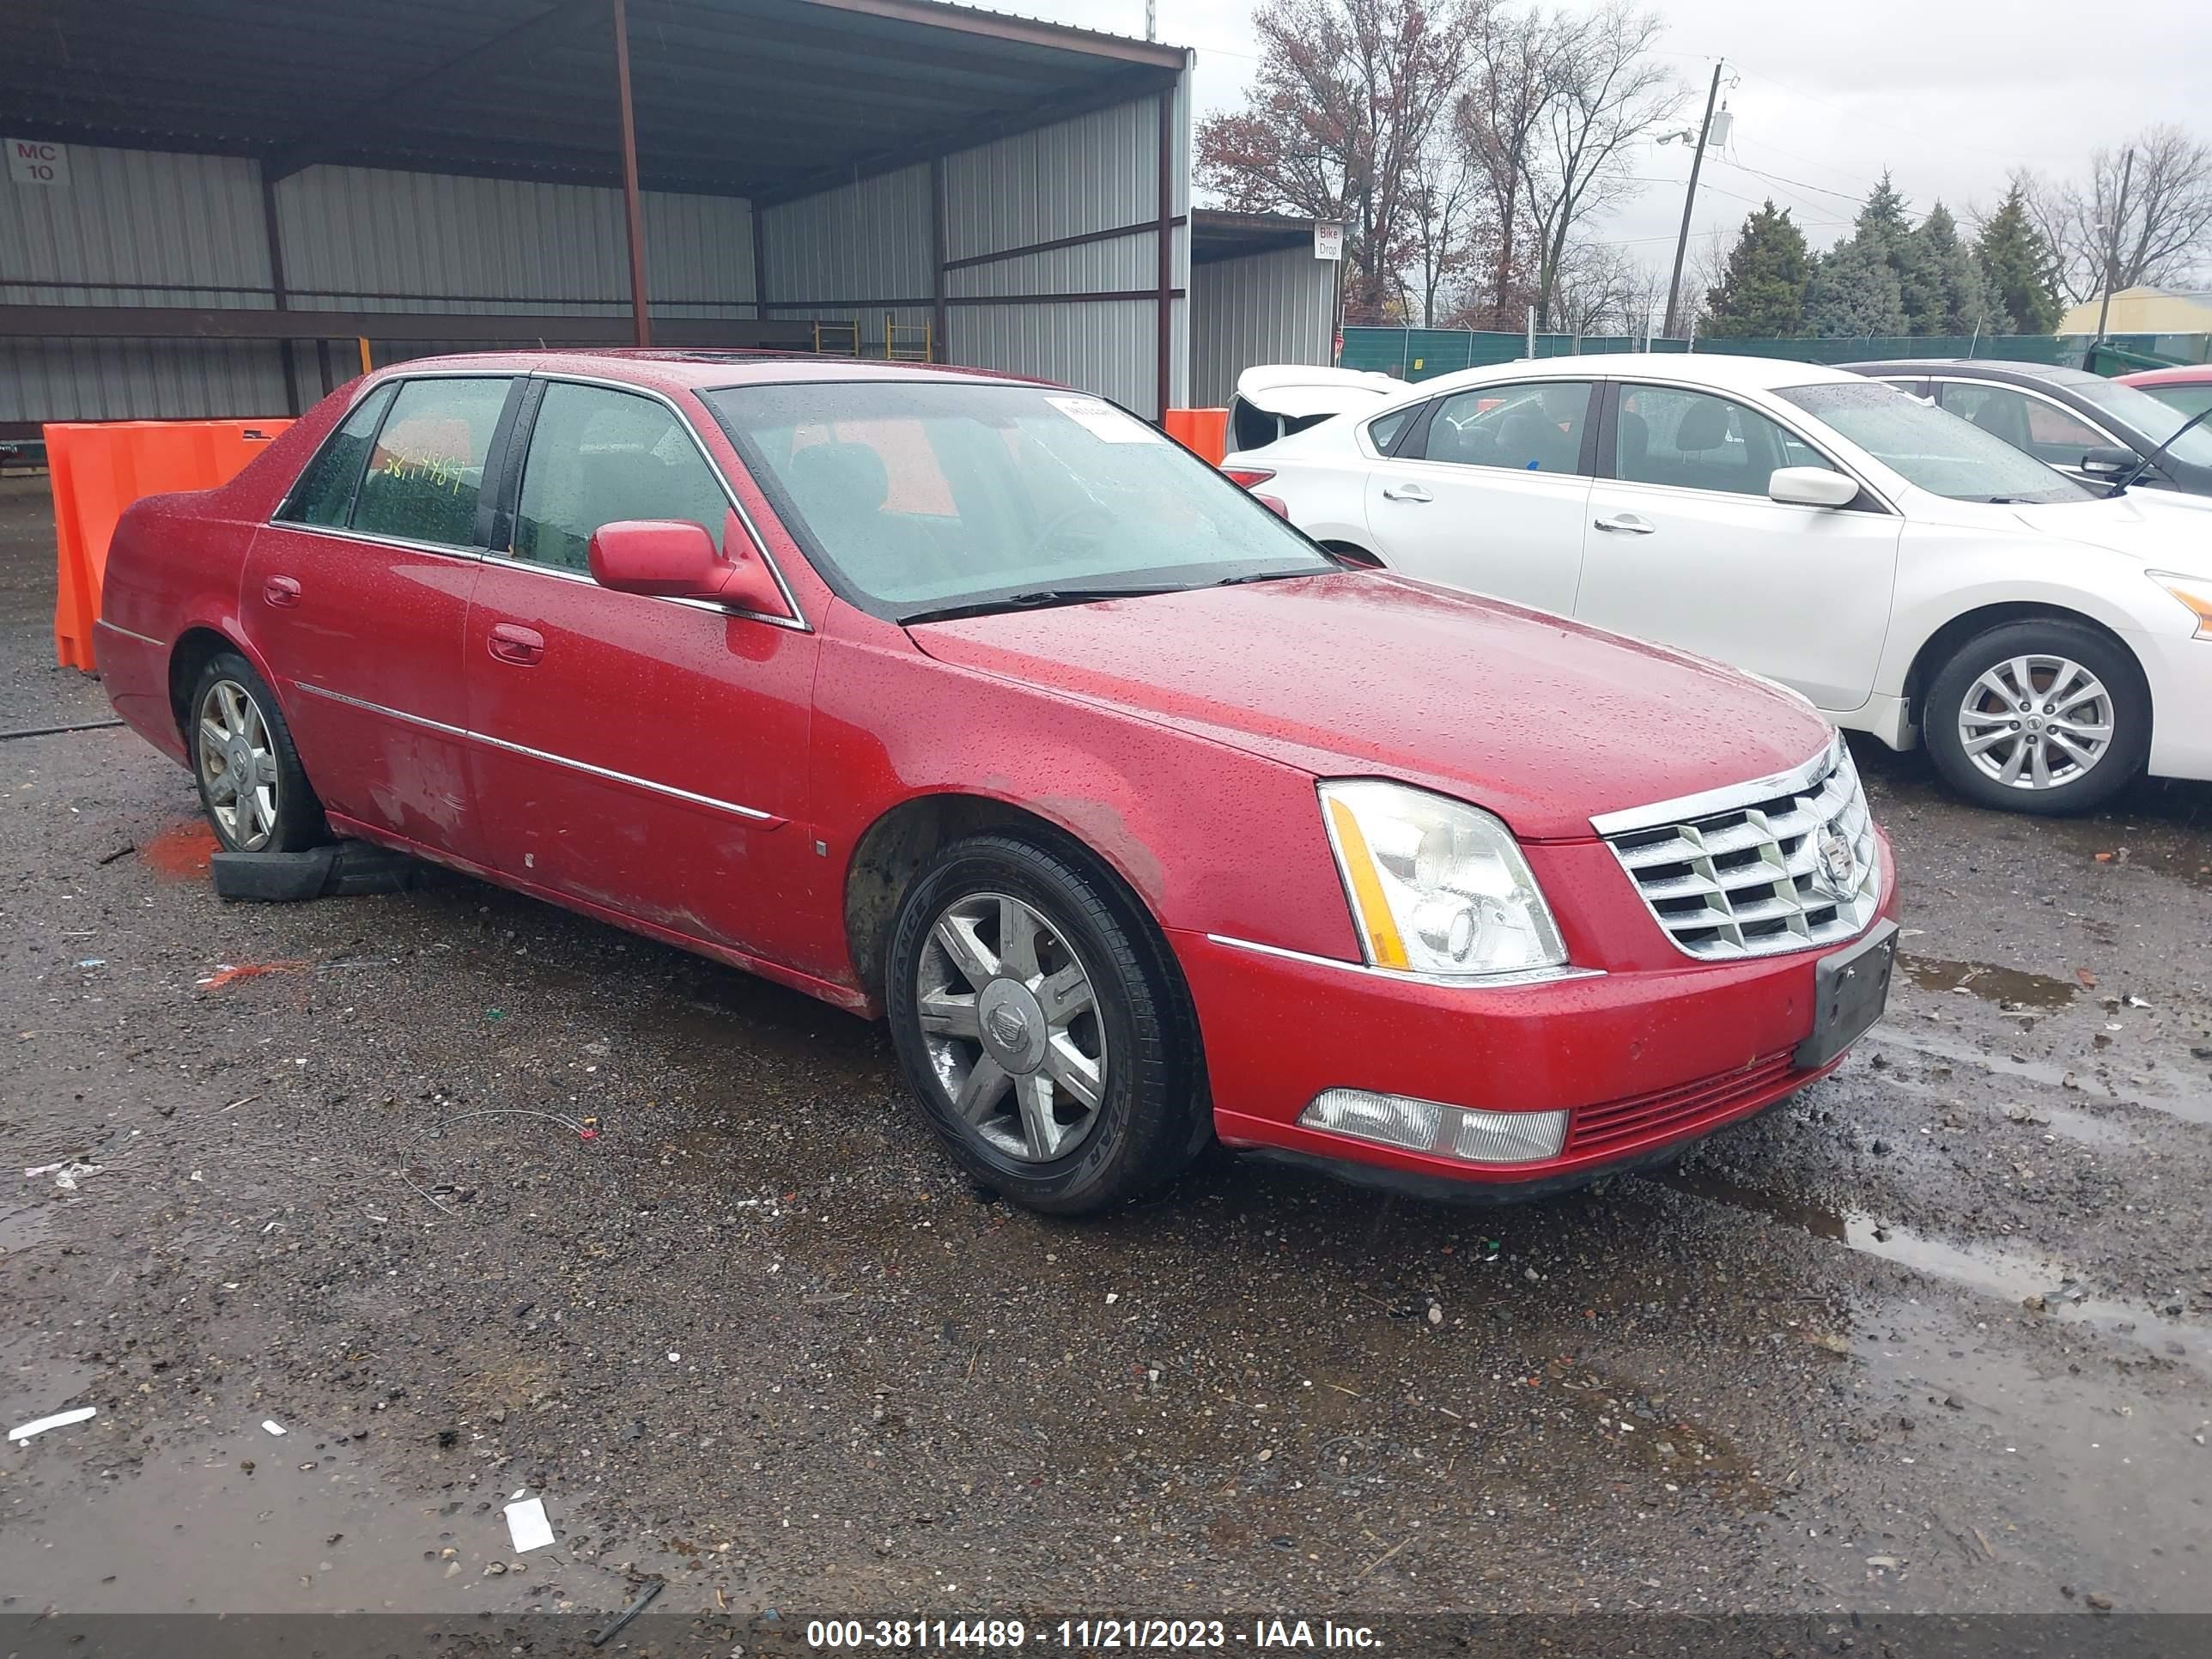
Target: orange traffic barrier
point(99, 468)
point(1204, 432)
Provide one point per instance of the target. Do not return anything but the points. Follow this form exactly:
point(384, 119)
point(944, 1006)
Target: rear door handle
point(1629, 523)
point(1406, 492)
point(282, 592)
point(511, 642)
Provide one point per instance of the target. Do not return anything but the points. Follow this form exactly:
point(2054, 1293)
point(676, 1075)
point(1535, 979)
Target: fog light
point(1424, 1126)
point(1509, 1137)
point(1395, 1119)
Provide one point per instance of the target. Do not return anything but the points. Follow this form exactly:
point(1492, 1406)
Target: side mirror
point(675, 559)
point(2110, 461)
point(1811, 486)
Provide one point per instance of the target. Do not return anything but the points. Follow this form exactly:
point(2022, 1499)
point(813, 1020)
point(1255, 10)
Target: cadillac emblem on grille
point(1839, 864)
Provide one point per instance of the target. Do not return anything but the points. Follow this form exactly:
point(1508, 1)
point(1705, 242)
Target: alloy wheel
point(1010, 1022)
point(2036, 722)
point(238, 765)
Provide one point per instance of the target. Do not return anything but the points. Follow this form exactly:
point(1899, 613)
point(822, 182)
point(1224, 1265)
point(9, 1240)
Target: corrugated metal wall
point(870, 242)
point(367, 240)
point(136, 227)
point(140, 228)
point(1278, 308)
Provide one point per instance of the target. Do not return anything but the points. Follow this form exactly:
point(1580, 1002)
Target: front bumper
point(1645, 1059)
point(2178, 669)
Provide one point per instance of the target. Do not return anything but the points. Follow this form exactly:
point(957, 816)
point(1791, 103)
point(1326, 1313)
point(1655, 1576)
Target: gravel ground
point(1935, 1334)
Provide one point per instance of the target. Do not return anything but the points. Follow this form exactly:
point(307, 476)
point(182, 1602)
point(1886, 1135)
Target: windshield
point(1940, 453)
point(916, 498)
point(2133, 407)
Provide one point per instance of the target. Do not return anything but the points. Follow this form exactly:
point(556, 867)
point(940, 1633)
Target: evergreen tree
point(1953, 297)
point(1854, 294)
point(1761, 294)
point(2018, 268)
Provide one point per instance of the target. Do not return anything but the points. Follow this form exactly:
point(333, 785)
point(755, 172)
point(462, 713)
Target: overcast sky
point(1949, 94)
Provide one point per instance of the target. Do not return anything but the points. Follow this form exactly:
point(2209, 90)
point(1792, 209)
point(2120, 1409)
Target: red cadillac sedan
point(975, 704)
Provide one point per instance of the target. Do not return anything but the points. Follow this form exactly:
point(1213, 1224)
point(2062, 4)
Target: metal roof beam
point(1125, 87)
point(487, 57)
point(1022, 31)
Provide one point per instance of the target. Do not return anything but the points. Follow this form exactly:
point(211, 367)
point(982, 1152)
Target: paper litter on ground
point(527, 1525)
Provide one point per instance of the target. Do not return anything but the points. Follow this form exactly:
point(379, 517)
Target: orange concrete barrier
point(1204, 432)
point(99, 468)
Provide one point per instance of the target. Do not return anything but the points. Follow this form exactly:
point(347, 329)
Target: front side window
point(426, 469)
point(2044, 430)
point(1522, 429)
point(1695, 440)
point(1930, 448)
point(918, 497)
point(324, 494)
point(599, 457)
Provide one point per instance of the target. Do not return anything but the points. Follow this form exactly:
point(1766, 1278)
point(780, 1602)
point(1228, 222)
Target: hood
point(1538, 718)
point(1297, 392)
point(2165, 530)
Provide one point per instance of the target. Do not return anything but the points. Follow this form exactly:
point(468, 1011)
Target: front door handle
point(511, 642)
point(1627, 523)
point(1406, 492)
point(282, 592)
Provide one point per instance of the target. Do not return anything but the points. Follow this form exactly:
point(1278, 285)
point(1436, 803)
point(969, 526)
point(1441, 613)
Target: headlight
point(1437, 886)
point(2195, 592)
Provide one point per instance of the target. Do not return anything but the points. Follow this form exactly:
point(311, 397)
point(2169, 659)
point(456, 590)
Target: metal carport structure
point(239, 179)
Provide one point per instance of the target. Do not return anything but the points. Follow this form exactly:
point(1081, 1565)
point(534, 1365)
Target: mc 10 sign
point(32, 161)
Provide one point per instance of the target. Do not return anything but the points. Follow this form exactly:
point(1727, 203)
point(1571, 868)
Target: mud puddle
point(2095, 1493)
point(2005, 987)
point(2187, 1106)
point(2015, 1274)
point(245, 1521)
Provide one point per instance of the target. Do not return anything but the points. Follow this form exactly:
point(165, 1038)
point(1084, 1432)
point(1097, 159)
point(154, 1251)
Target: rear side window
point(324, 493)
point(426, 469)
point(1383, 430)
point(600, 457)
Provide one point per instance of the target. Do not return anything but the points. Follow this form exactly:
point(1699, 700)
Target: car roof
point(1994, 368)
point(696, 370)
point(1720, 370)
point(2181, 374)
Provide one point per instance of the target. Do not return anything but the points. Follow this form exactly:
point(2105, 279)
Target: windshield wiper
point(1268, 576)
point(1040, 599)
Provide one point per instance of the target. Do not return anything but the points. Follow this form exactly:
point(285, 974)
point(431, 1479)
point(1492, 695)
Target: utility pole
point(1690, 199)
point(2113, 243)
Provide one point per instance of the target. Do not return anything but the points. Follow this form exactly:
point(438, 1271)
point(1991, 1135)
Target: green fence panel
point(1422, 354)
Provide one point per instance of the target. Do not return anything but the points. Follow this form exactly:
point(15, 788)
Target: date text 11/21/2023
point(1086, 1635)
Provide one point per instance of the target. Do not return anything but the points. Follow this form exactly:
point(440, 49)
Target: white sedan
point(1909, 573)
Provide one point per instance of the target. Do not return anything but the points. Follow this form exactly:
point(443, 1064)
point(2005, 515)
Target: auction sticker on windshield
point(1105, 422)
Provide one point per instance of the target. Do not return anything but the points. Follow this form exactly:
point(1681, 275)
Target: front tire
point(2046, 716)
point(252, 785)
point(1041, 1024)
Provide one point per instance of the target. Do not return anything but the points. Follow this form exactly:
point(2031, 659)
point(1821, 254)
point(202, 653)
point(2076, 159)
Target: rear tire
point(252, 787)
point(2046, 716)
point(1041, 1025)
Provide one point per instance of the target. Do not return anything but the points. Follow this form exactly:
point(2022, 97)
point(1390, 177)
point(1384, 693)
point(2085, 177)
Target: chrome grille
point(1758, 869)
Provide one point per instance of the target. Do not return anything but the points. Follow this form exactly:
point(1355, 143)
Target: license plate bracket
point(1851, 988)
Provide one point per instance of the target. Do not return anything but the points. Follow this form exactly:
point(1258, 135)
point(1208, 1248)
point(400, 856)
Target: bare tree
point(1451, 226)
point(1606, 94)
point(1601, 289)
point(1497, 123)
point(2167, 233)
point(1341, 114)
